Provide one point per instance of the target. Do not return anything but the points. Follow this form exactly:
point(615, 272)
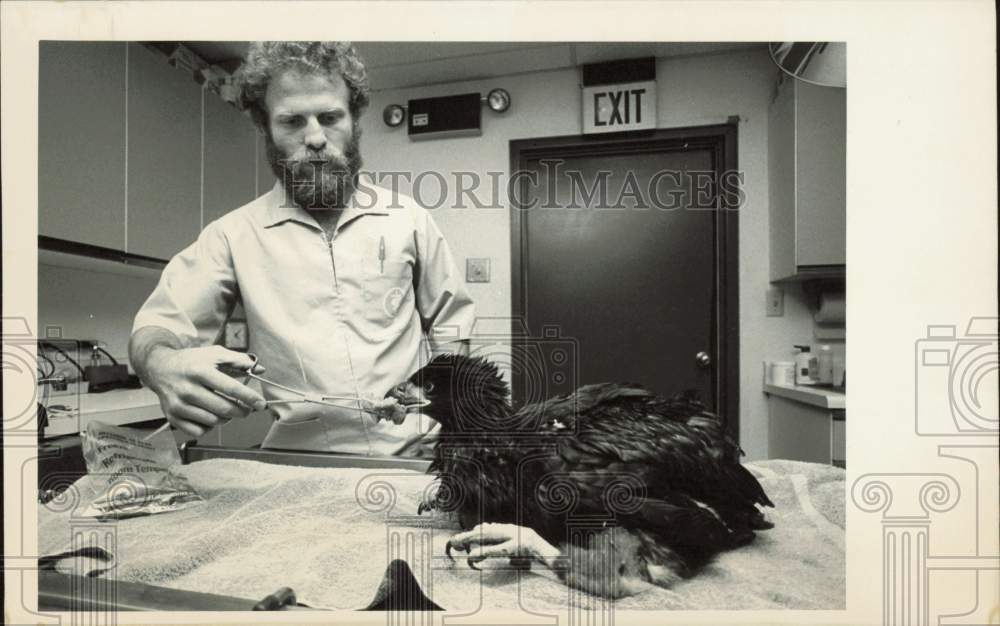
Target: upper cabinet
point(133, 155)
point(81, 142)
point(230, 170)
point(164, 156)
point(807, 141)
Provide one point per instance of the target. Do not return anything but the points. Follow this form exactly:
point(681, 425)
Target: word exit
point(618, 108)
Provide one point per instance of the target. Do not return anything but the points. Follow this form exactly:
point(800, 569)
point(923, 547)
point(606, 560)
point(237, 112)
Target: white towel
point(325, 534)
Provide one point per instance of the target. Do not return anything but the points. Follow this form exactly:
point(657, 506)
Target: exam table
point(327, 526)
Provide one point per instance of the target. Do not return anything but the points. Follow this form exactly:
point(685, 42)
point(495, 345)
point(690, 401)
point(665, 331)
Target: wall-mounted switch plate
point(775, 302)
point(236, 335)
point(477, 270)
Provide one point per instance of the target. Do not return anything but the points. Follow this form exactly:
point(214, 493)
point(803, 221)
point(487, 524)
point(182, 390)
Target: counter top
point(122, 406)
point(823, 397)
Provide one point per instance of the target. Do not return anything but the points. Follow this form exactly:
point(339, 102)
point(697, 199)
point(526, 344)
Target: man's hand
point(194, 394)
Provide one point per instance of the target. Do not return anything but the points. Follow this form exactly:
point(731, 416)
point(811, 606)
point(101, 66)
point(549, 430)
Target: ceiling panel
point(398, 64)
point(596, 52)
point(216, 52)
point(455, 69)
point(387, 53)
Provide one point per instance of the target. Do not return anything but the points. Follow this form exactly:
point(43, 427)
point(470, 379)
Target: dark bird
point(612, 487)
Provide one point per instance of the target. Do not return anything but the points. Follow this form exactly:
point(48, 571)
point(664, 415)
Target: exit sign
point(619, 107)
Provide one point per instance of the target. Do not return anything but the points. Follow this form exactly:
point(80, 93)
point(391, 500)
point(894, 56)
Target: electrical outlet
point(775, 303)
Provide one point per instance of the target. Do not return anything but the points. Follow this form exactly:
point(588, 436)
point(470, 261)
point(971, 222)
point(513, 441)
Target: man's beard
point(318, 180)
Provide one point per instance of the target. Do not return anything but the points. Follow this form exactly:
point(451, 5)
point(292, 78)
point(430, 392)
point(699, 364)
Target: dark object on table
point(103, 374)
point(130, 381)
point(400, 591)
point(48, 563)
point(275, 601)
point(43, 421)
point(100, 595)
point(661, 477)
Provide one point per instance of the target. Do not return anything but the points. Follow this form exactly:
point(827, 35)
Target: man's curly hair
point(268, 59)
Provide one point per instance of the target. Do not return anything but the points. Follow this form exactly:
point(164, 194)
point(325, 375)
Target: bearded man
point(347, 288)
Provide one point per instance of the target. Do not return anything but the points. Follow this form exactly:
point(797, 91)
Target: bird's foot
point(517, 543)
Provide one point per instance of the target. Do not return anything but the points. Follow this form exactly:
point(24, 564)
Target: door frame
point(720, 140)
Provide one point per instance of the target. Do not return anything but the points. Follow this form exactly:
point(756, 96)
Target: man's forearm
point(144, 343)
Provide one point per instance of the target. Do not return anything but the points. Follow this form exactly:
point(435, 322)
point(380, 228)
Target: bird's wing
point(669, 445)
point(565, 409)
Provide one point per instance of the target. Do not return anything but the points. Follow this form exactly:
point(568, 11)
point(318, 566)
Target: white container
point(782, 373)
point(802, 359)
point(838, 371)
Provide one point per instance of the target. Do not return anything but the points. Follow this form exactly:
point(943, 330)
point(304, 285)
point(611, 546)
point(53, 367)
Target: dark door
point(620, 249)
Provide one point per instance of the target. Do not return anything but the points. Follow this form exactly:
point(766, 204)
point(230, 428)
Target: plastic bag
point(135, 477)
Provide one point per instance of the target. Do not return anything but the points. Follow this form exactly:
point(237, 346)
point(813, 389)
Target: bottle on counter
point(825, 365)
point(803, 366)
point(838, 371)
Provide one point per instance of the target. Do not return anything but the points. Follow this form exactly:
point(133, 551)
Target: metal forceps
point(303, 396)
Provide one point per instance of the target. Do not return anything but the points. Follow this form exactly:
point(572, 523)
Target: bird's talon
point(472, 560)
point(448, 547)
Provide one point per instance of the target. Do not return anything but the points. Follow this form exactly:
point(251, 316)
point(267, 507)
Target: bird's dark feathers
point(663, 469)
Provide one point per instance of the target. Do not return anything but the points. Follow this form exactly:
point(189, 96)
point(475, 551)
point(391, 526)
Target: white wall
point(89, 304)
point(693, 91)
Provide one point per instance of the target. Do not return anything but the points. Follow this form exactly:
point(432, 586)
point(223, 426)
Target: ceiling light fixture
point(498, 100)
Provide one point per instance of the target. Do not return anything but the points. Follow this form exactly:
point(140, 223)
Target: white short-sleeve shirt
point(352, 315)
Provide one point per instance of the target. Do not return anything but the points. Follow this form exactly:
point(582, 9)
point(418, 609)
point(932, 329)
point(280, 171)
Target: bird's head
point(462, 393)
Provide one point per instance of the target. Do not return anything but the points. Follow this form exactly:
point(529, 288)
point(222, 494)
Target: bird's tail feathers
point(752, 487)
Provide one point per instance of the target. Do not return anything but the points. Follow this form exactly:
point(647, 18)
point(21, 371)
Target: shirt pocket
point(387, 293)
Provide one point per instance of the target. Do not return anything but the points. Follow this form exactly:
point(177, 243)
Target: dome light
point(393, 115)
point(498, 100)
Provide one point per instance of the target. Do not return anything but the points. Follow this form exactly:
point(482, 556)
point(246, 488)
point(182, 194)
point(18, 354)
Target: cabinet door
point(838, 434)
point(230, 159)
point(798, 431)
point(821, 137)
point(781, 181)
point(164, 156)
point(81, 142)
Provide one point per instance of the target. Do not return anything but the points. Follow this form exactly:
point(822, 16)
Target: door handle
point(702, 359)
